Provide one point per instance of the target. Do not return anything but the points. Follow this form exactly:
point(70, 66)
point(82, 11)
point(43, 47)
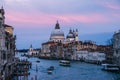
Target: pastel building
point(3, 49)
point(87, 56)
point(116, 47)
point(7, 48)
point(68, 48)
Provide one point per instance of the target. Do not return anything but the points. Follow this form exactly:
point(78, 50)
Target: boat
point(37, 61)
point(49, 71)
point(64, 63)
point(110, 67)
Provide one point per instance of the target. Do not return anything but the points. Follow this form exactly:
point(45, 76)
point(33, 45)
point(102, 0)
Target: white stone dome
point(57, 34)
point(70, 34)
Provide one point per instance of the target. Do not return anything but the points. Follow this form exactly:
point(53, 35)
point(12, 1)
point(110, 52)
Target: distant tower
point(76, 35)
point(2, 12)
point(2, 17)
point(2, 30)
point(30, 50)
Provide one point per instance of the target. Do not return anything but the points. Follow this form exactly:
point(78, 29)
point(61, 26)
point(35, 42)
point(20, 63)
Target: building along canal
point(77, 71)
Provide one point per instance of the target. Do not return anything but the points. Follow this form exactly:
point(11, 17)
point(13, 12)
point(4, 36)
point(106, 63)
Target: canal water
point(77, 71)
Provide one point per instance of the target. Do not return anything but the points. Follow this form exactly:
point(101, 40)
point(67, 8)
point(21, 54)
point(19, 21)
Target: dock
point(21, 68)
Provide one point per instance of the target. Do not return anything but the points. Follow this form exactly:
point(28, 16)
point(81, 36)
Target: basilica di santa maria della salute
point(65, 47)
point(58, 35)
point(70, 47)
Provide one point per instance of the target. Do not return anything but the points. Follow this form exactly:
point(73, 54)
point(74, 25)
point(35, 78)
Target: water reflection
point(77, 71)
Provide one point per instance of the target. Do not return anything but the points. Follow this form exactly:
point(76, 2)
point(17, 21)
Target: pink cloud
point(87, 18)
point(110, 5)
point(47, 19)
point(28, 18)
point(116, 15)
point(113, 6)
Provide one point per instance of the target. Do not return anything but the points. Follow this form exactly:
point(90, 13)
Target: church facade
point(116, 47)
point(33, 52)
point(61, 46)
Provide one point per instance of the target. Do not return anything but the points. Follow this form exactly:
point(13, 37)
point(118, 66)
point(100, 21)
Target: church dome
point(57, 34)
point(70, 34)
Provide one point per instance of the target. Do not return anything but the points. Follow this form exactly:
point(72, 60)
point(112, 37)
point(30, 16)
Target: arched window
point(4, 55)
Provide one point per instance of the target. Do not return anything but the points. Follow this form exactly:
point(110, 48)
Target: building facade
point(33, 52)
point(65, 48)
point(3, 49)
point(7, 48)
point(116, 47)
point(87, 56)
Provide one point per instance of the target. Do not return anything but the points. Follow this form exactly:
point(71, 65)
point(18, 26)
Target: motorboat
point(50, 69)
point(64, 63)
point(37, 61)
point(110, 67)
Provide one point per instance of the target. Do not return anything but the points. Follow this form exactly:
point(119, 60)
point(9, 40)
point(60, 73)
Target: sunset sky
point(34, 20)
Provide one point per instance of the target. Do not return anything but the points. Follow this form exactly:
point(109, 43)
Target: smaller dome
point(71, 34)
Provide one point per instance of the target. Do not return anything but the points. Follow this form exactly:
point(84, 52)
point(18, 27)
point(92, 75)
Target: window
point(116, 51)
point(0, 23)
point(0, 43)
point(4, 55)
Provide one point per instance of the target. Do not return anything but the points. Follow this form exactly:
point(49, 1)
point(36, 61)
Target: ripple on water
point(77, 71)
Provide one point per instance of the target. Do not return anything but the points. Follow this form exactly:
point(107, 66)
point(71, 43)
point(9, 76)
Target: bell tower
point(76, 35)
point(2, 13)
point(2, 34)
point(2, 29)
